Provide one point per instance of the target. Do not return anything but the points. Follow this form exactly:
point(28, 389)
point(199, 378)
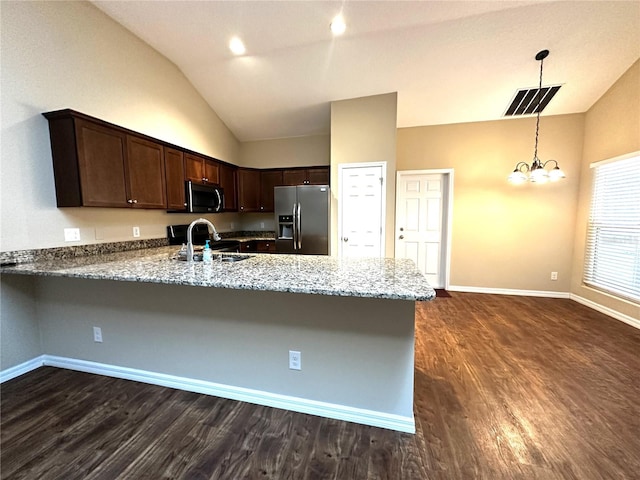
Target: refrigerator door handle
point(295, 227)
point(299, 227)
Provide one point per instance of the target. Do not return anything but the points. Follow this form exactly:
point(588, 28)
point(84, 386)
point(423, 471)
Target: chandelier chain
point(535, 148)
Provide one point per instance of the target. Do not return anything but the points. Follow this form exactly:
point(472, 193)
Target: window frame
point(611, 236)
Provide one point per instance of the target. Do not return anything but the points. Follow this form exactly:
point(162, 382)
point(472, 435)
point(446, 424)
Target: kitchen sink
point(231, 258)
point(217, 257)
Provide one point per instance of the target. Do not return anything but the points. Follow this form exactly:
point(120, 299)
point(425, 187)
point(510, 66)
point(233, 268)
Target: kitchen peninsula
point(226, 328)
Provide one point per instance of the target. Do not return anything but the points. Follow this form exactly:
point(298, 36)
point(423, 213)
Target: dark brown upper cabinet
point(228, 184)
point(99, 164)
point(306, 176)
point(98, 156)
point(146, 186)
point(96, 164)
point(248, 190)
point(268, 180)
point(200, 169)
point(174, 174)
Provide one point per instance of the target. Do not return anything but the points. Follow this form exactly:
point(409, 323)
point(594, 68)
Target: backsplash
point(27, 256)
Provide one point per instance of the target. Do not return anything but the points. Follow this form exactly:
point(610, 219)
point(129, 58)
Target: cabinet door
point(247, 247)
point(265, 246)
point(294, 176)
point(318, 176)
point(194, 168)
point(228, 184)
point(145, 173)
point(101, 163)
point(248, 190)
point(211, 172)
point(174, 173)
point(268, 180)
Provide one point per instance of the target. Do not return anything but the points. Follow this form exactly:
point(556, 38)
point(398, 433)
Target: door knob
point(345, 239)
point(401, 237)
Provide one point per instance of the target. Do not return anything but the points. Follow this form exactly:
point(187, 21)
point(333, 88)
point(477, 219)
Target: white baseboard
point(542, 293)
point(634, 322)
point(285, 402)
point(509, 291)
point(21, 369)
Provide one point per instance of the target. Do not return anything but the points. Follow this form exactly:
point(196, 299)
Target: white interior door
point(361, 207)
point(420, 223)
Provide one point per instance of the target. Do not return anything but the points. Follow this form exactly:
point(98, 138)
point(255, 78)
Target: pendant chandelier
point(537, 172)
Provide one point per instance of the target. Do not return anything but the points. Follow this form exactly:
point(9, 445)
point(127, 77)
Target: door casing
point(383, 174)
point(447, 215)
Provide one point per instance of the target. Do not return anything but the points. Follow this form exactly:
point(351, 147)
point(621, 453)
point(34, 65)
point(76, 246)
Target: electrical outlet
point(71, 234)
point(261, 224)
point(97, 334)
point(295, 360)
point(554, 275)
point(231, 225)
point(136, 231)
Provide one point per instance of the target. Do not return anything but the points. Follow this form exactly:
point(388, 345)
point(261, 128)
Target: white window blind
point(613, 234)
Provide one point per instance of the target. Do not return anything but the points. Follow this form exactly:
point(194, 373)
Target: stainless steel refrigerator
point(302, 219)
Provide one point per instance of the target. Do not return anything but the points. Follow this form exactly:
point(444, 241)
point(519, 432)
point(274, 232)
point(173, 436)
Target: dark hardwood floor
point(506, 388)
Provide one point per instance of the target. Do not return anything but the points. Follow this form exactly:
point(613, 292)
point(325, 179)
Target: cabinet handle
point(241, 208)
point(132, 201)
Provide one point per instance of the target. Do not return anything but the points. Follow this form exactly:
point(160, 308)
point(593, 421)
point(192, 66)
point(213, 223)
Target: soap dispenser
point(207, 256)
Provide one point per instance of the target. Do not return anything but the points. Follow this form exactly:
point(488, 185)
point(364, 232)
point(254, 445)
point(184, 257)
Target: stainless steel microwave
point(202, 198)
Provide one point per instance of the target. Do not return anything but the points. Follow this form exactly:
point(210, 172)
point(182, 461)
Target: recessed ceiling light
point(236, 46)
point(337, 25)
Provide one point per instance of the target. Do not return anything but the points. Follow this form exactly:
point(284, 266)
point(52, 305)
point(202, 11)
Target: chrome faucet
point(216, 237)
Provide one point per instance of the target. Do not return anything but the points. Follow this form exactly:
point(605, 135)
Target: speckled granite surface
point(322, 275)
point(75, 251)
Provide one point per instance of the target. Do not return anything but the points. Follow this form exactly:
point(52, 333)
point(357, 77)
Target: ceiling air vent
point(525, 102)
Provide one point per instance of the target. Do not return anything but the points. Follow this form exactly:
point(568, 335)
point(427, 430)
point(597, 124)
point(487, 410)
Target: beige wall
point(70, 55)
point(504, 236)
point(364, 130)
point(612, 128)
point(239, 338)
point(286, 152)
point(19, 327)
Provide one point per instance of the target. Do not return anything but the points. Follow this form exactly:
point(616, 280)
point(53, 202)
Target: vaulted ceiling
point(449, 61)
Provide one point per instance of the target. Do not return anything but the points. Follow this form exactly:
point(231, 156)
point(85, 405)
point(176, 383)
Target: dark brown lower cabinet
point(265, 246)
point(258, 246)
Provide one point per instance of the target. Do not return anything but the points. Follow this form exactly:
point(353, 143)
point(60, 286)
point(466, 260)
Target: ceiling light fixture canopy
point(537, 172)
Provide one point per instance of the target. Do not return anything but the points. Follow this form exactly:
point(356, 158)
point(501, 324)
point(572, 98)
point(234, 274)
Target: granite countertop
point(312, 274)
